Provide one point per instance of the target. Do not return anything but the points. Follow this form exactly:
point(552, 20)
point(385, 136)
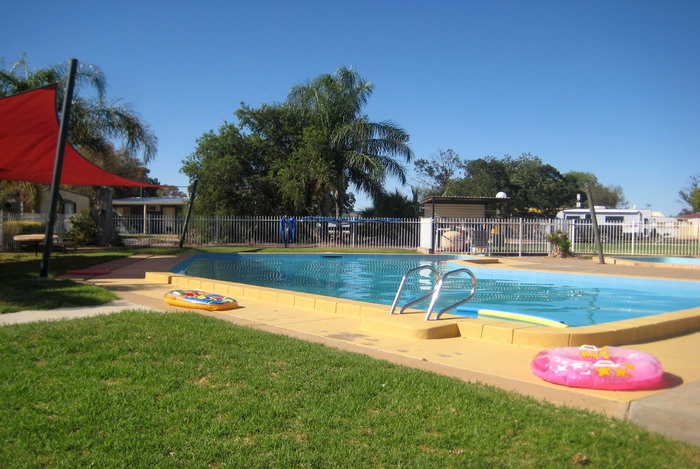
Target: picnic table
point(37, 239)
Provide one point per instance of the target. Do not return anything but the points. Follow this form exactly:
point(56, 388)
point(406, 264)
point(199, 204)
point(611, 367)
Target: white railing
point(257, 231)
point(503, 236)
point(13, 224)
point(521, 236)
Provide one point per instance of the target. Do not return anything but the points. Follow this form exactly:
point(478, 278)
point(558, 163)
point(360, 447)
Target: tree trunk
point(556, 251)
point(103, 214)
point(326, 208)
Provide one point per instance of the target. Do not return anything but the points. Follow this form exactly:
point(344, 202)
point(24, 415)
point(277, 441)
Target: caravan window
point(614, 219)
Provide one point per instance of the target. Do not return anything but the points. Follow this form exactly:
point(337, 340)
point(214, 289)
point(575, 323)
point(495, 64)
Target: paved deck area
point(673, 410)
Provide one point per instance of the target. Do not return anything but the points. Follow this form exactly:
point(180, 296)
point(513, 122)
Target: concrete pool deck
point(673, 410)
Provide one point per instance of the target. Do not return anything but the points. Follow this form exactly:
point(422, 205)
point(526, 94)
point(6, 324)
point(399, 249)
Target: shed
point(162, 212)
point(71, 202)
point(462, 206)
point(162, 206)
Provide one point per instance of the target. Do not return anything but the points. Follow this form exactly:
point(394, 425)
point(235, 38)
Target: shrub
point(83, 230)
point(561, 246)
point(13, 228)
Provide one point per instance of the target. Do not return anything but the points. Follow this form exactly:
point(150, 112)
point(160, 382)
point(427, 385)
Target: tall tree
point(609, 196)
point(485, 177)
point(690, 196)
point(360, 152)
point(539, 186)
point(438, 172)
point(529, 183)
point(393, 205)
point(234, 174)
point(27, 192)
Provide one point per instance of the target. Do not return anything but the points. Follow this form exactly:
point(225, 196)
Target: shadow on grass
point(21, 287)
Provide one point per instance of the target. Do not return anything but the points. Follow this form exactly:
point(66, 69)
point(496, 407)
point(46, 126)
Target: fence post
point(520, 237)
point(147, 228)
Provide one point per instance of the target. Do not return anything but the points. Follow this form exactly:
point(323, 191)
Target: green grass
point(21, 288)
point(183, 390)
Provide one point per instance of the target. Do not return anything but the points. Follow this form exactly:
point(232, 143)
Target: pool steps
point(435, 294)
point(374, 318)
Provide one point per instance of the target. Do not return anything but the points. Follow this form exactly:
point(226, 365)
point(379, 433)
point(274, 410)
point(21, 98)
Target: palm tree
point(94, 121)
point(394, 205)
point(27, 192)
point(360, 152)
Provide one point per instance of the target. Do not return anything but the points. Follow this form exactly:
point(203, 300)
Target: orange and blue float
point(612, 368)
point(198, 299)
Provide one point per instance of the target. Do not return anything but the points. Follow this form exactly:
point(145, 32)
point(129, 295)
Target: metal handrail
point(403, 283)
point(438, 290)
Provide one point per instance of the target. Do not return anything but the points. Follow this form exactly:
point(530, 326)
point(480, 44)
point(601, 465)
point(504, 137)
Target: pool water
point(665, 260)
point(575, 299)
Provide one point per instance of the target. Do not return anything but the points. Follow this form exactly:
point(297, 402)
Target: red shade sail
point(28, 139)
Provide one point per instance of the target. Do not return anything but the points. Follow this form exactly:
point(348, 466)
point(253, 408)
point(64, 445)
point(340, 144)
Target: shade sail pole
point(189, 211)
point(58, 166)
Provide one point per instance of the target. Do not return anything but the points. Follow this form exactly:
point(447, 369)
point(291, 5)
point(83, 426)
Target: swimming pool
point(576, 299)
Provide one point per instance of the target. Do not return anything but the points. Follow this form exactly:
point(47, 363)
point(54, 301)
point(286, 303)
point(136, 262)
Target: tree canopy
point(531, 184)
point(438, 172)
point(359, 152)
point(608, 196)
point(690, 196)
point(301, 156)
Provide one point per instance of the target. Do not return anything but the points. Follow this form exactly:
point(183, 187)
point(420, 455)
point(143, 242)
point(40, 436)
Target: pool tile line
point(375, 318)
point(521, 263)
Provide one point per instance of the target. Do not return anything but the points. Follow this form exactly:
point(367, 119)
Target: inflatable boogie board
point(199, 300)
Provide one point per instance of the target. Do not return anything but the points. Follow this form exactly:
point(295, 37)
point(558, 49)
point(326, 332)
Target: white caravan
point(616, 222)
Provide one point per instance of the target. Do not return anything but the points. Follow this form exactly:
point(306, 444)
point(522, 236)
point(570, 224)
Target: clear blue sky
point(608, 87)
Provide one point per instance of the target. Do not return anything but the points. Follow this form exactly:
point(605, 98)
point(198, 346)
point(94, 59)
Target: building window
point(614, 219)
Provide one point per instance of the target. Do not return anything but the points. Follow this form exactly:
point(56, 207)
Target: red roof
point(28, 139)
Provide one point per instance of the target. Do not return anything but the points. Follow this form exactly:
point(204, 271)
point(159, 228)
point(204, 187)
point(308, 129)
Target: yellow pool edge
point(376, 318)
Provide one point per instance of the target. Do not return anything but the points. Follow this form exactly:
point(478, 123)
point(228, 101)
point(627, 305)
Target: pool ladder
point(440, 282)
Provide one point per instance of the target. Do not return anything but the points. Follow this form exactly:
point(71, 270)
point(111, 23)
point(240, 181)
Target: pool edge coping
point(376, 318)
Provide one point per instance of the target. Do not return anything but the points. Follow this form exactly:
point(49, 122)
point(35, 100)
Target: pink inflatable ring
point(590, 367)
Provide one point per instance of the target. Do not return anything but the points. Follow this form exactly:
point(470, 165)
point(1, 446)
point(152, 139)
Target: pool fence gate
point(492, 236)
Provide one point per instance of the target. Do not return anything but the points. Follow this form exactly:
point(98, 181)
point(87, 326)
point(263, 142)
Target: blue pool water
point(665, 260)
point(577, 300)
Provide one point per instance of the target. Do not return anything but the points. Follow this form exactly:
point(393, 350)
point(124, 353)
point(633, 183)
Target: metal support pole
point(58, 167)
point(596, 229)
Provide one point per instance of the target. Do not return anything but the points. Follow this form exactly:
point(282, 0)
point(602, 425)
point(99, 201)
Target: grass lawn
point(21, 288)
point(143, 389)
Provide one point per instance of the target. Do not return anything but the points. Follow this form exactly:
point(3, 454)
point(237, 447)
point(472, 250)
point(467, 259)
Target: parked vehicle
point(618, 223)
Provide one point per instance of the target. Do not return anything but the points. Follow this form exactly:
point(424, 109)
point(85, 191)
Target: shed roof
point(151, 201)
point(464, 200)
